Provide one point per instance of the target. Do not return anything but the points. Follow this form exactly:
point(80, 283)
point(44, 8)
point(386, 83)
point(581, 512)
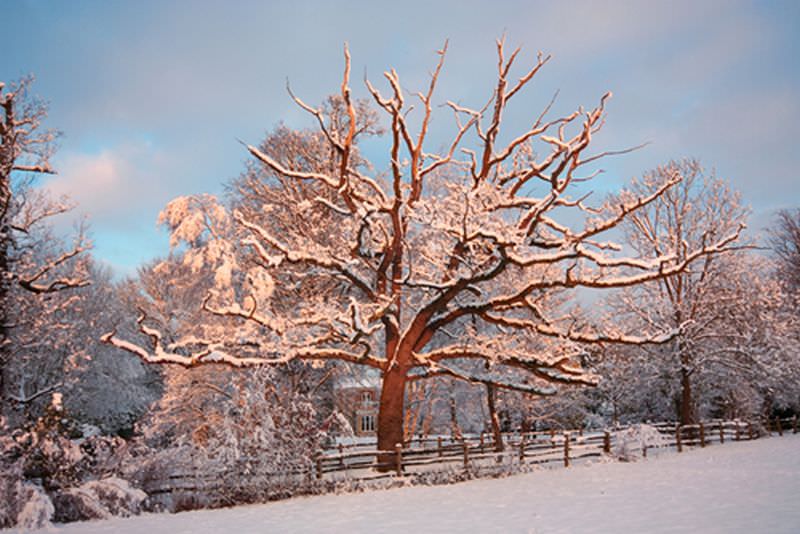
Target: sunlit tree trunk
point(390, 411)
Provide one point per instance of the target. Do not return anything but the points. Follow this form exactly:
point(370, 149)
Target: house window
point(366, 396)
point(368, 423)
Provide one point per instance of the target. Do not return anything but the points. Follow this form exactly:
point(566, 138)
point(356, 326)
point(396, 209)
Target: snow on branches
point(25, 151)
point(35, 267)
point(445, 258)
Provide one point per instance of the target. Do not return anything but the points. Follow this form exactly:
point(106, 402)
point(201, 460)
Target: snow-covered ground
point(739, 487)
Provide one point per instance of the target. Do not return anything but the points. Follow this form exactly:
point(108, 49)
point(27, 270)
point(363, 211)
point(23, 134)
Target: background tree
point(742, 357)
point(785, 241)
point(105, 387)
point(637, 386)
point(411, 258)
point(34, 266)
point(719, 305)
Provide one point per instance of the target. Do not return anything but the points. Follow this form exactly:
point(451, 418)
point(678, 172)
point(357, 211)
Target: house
point(357, 399)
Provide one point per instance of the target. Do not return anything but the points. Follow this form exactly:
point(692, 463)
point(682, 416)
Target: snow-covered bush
point(631, 442)
point(22, 503)
point(336, 426)
point(98, 499)
point(37, 508)
point(10, 477)
point(42, 470)
point(218, 438)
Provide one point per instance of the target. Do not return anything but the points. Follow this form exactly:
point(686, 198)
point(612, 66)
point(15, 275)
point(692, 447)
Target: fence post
point(607, 442)
point(466, 455)
point(721, 433)
point(702, 435)
point(439, 446)
point(678, 438)
point(566, 449)
point(319, 468)
point(738, 430)
point(482, 442)
point(398, 451)
point(778, 424)
point(749, 430)
point(341, 457)
point(553, 437)
point(794, 424)
point(522, 449)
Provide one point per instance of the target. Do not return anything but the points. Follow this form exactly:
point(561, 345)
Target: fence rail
point(478, 453)
point(541, 447)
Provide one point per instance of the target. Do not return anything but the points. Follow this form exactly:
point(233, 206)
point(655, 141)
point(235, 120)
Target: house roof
point(361, 381)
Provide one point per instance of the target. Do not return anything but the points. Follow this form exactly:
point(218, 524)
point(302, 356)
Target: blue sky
point(152, 96)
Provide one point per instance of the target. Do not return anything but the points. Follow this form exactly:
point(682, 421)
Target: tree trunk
point(491, 397)
point(390, 414)
point(7, 155)
point(687, 415)
point(455, 428)
point(5, 318)
point(615, 416)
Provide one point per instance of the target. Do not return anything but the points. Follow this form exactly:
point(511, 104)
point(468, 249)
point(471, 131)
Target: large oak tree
point(445, 259)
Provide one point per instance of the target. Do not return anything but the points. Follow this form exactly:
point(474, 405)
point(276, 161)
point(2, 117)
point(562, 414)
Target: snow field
point(739, 487)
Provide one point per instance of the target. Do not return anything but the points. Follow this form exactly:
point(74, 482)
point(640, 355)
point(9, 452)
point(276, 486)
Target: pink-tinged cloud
point(112, 184)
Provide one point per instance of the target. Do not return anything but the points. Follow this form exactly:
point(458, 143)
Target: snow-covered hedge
point(45, 476)
point(631, 442)
point(98, 499)
point(255, 440)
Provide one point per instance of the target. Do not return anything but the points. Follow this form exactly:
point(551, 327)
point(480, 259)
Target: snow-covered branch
point(441, 369)
point(438, 248)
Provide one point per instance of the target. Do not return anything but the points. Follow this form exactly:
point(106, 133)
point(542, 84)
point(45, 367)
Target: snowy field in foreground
point(739, 487)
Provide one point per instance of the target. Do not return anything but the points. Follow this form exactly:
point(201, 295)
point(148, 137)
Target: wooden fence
point(477, 453)
point(548, 447)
